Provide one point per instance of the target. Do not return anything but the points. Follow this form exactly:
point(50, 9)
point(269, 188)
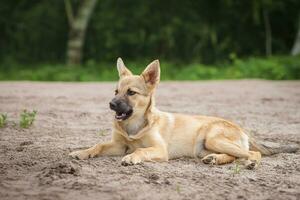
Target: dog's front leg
point(146, 154)
point(111, 148)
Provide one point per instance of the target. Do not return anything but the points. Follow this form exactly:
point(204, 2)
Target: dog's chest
point(134, 127)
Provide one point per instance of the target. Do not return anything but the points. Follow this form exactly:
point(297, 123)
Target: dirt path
point(34, 162)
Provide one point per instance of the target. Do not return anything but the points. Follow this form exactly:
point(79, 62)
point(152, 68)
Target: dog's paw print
point(131, 159)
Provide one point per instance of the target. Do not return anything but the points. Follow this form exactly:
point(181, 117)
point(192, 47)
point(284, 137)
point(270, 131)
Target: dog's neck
point(139, 120)
point(136, 124)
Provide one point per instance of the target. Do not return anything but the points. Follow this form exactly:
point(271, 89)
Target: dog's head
point(133, 93)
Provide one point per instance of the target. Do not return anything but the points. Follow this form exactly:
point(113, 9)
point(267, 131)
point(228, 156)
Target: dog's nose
point(113, 105)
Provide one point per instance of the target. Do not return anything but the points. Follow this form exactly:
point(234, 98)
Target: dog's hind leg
point(218, 159)
point(226, 146)
point(223, 146)
point(254, 160)
point(208, 156)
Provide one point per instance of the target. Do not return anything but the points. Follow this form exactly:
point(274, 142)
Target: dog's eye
point(116, 92)
point(130, 92)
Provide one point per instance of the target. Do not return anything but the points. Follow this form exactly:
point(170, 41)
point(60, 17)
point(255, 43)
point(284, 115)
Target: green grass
point(27, 118)
point(178, 188)
point(273, 68)
point(237, 168)
point(3, 118)
point(102, 133)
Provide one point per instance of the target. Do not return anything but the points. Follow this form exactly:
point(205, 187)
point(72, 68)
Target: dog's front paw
point(131, 159)
point(81, 155)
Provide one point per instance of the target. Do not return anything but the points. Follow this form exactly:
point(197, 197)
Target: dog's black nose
point(113, 105)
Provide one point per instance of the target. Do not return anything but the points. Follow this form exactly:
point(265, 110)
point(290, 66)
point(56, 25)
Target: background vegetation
point(193, 39)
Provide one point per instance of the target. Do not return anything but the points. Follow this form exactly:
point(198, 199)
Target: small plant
point(237, 168)
point(178, 188)
point(3, 118)
point(102, 133)
point(27, 118)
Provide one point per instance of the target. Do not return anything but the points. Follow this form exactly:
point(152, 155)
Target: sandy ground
point(34, 162)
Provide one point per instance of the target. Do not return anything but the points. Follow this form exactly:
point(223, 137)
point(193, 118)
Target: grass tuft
point(27, 118)
point(236, 168)
point(3, 118)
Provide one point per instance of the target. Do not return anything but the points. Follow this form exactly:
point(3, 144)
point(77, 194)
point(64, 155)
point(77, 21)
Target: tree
point(268, 32)
point(78, 24)
point(296, 46)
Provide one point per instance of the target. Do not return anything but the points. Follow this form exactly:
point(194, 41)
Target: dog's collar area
point(139, 134)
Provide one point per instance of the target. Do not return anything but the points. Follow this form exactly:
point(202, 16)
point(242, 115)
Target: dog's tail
point(270, 148)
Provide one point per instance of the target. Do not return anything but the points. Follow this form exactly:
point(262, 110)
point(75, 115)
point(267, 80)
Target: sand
point(34, 162)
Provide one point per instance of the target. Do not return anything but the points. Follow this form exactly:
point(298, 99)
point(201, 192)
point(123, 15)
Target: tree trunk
point(268, 32)
point(78, 25)
point(296, 46)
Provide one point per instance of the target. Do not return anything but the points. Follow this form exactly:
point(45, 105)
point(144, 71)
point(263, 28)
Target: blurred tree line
point(37, 31)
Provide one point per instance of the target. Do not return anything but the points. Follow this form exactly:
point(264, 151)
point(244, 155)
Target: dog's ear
point(122, 69)
point(151, 74)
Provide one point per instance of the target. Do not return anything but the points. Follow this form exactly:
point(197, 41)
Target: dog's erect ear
point(151, 74)
point(122, 69)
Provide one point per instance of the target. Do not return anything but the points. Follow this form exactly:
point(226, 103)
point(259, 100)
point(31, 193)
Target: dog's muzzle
point(122, 108)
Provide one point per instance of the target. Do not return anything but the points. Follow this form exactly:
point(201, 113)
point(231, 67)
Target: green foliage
point(27, 118)
point(186, 31)
point(3, 118)
point(274, 68)
point(102, 133)
point(236, 168)
point(178, 189)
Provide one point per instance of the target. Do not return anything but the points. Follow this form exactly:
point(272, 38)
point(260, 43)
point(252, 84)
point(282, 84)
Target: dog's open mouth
point(123, 116)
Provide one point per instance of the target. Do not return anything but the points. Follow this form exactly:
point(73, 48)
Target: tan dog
point(143, 133)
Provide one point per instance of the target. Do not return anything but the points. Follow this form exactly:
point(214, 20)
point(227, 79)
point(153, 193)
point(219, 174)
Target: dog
point(142, 133)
